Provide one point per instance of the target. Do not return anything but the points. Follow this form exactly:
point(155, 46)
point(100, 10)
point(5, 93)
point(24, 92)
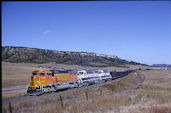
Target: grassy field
point(8, 95)
point(141, 92)
point(146, 91)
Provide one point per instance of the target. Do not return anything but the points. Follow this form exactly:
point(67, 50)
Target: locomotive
point(53, 80)
point(42, 81)
point(87, 77)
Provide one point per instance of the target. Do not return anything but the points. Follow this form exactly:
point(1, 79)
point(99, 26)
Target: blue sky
point(138, 31)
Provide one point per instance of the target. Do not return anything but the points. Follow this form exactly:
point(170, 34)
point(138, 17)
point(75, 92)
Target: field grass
point(120, 85)
point(9, 95)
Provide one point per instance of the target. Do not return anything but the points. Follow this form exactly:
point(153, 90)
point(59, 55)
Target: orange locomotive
point(53, 80)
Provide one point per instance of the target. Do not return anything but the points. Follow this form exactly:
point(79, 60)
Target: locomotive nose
point(34, 81)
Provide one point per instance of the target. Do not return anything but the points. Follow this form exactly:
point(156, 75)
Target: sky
point(132, 30)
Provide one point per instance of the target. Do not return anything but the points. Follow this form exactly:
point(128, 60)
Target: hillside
point(162, 65)
point(34, 55)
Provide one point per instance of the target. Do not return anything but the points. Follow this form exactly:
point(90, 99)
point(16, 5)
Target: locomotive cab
point(40, 80)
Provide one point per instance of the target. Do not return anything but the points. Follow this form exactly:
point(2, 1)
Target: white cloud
point(46, 32)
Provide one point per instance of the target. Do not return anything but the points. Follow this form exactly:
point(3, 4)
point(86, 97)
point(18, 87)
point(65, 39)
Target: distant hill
point(162, 65)
point(34, 55)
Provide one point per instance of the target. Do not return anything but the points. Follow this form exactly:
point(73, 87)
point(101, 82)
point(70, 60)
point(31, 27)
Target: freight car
point(116, 75)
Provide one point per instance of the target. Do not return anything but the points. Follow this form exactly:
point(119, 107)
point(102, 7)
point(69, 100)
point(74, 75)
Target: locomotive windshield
point(80, 73)
point(34, 73)
point(42, 74)
point(48, 74)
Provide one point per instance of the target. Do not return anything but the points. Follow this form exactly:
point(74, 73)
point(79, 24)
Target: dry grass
point(160, 109)
point(9, 95)
point(123, 83)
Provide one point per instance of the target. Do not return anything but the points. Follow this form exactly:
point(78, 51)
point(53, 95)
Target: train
point(43, 81)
